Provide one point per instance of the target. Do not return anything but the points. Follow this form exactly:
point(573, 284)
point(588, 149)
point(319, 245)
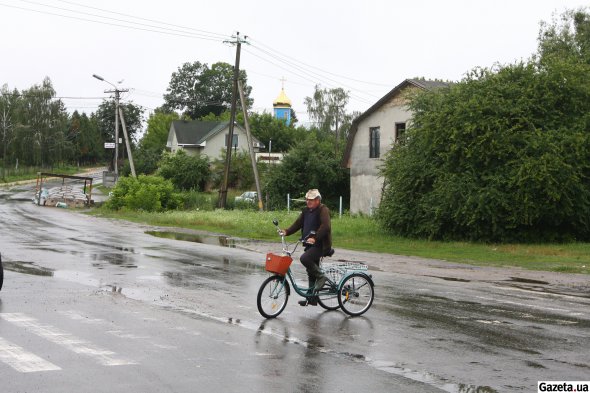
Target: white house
point(371, 136)
point(207, 137)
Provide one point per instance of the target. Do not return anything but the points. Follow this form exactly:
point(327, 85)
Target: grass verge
point(363, 234)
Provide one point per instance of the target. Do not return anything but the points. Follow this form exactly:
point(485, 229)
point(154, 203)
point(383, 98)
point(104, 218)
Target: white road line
point(66, 340)
point(23, 361)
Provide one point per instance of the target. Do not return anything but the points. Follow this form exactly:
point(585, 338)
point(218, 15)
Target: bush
point(149, 193)
point(501, 156)
point(186, 172)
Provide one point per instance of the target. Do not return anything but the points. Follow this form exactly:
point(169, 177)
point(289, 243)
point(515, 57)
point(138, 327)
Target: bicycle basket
point(278, 263)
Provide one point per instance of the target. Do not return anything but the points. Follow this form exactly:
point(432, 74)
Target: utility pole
point(117, 93)
point(250, 146)
point(127, 143)
point(223, 190)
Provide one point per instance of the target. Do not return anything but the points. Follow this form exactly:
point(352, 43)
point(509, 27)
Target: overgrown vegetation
point(503, 155)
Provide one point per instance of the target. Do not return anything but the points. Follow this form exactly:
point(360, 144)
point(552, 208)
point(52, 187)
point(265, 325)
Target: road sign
point(109, 145)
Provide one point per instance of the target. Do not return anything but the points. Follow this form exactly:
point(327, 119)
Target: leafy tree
point(197, 90)
point(241, 175)
point(153, 144)
point(327, 109)
point(87, 145)
point(40, 132)
point(105, 117)
point(7, 111)
point(500, 156)
point(186, 172)
point(309, 164)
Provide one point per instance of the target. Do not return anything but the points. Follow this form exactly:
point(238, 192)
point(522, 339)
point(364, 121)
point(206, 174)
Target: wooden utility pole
point(117, 92)
point(127, 143)
point(250, 146)
point(223, 190)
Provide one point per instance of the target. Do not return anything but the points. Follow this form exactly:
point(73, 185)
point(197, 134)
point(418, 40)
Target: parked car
point(247, 197)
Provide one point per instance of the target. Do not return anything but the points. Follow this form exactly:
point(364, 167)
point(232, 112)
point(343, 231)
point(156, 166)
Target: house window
point(400, 132)
point(234, 140)
point(374, 142)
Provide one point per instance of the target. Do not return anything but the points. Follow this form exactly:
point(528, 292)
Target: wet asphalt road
point(90, 304)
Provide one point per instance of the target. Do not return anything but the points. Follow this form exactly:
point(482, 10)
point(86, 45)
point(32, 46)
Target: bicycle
point(347, 287)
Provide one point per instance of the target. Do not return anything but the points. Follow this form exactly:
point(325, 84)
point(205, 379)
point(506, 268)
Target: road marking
point(23, 361)
point(66, 340)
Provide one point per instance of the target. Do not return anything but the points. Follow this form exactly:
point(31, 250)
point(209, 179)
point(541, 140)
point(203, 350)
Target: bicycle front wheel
point(356, 294)
point(272, 296)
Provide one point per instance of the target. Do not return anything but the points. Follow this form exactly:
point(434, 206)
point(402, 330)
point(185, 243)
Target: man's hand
point(282, 232)
point(310, 240)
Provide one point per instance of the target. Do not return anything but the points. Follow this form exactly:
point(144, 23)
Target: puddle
point(528, 281)
point(450, 279)
point(224, 241)
point(27, 268)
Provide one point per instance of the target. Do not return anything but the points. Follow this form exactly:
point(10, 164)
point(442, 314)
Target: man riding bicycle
point(314, 222)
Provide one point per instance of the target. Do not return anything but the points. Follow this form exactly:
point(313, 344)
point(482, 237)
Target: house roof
point(196, 132)
point(420, 83)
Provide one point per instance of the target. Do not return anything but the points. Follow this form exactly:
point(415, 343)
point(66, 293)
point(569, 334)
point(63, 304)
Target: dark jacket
point(323, 232)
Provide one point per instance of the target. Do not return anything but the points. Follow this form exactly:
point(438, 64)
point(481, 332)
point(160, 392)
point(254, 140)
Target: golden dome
point(282, 99)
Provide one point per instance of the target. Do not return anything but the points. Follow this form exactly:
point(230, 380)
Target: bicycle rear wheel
point(328, 297)
point(273, 296)
point(356, 294)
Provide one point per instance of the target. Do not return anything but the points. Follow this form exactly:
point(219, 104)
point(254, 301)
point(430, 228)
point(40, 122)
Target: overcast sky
point(366, 47)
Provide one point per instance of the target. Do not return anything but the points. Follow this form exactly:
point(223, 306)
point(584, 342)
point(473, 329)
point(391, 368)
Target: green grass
point(362, 233)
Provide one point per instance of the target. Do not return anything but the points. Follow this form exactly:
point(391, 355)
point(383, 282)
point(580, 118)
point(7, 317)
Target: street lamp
point(116, 91)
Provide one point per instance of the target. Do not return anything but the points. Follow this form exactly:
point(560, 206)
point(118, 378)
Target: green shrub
point(149, 193)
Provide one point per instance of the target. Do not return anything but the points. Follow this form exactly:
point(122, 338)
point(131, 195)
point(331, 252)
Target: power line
point(319, 69)
point(161, 30)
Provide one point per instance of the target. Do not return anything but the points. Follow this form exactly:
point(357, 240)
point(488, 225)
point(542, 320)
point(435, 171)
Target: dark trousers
point(311, 260)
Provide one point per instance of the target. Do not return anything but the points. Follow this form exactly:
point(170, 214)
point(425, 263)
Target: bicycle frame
point(304, 291)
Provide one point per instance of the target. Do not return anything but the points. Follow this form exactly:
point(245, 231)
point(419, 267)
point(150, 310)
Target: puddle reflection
point(27, 268)
point(220, 240)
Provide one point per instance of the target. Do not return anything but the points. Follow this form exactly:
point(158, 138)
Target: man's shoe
point(310, 301)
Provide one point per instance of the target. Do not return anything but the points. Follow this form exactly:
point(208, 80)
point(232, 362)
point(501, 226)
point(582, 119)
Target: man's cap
point(313, 194)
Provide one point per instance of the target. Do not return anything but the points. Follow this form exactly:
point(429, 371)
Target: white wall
point(365, 182)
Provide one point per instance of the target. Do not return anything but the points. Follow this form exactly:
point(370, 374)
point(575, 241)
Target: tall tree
point(327, 110)
point(197, 90)
point(8, 100)
point(42, 136)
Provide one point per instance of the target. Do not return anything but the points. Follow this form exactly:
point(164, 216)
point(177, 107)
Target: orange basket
point(278, 263)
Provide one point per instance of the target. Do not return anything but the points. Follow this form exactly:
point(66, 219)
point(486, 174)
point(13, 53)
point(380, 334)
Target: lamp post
point(117, 92)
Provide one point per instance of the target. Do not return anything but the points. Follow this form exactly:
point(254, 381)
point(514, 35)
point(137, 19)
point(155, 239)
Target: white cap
point(313, 194)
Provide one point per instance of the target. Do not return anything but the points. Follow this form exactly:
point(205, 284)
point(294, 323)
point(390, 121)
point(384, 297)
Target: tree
point(186, 172)
point(503, 155)
point(309, 164)
point(7, 102)
point(42, 124)
point(105, 117)
point(197, 90)
point(327, 109)
point(153, 144)
point(87, 145)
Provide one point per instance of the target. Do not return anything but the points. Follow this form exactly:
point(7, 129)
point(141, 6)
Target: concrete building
point(371, 136)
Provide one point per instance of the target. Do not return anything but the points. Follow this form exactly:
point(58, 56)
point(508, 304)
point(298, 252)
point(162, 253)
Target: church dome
point(282, 99)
